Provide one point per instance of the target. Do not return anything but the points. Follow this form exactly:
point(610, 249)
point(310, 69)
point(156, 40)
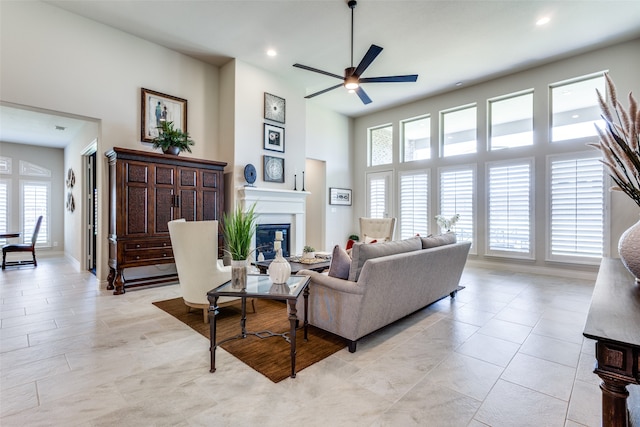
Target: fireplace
point(266, 234)
point(275, 206)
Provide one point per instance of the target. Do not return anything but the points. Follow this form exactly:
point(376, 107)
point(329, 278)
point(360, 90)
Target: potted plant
point(238, 229)
point(172, 140)
point(308, 252)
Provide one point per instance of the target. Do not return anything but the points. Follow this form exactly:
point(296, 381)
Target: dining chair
point(22, 247)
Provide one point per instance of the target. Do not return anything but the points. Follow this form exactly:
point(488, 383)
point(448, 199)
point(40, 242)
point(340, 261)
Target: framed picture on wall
point(158, 107)
point(273, 138)
point(273, 169)
point(340, 196)
point(274, 108)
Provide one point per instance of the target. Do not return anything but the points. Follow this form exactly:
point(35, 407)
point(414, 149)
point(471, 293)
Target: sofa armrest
point(334, 283)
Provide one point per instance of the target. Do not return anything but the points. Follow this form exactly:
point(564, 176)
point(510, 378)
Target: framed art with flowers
point(273, 138)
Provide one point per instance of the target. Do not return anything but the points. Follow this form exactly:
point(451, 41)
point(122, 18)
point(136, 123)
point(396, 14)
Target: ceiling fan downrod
point(352, 5)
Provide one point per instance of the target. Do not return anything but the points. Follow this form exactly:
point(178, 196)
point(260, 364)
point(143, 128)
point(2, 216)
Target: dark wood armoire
point(147, 190)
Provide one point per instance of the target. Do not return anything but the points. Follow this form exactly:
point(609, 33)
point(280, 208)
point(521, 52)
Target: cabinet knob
point(137, 246)
point(164, 254)
point(164, 244)
point(138, 257)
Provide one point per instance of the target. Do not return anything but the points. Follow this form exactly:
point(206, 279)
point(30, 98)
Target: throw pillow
point(440, 240)
point(350, 243)
point(340, 263)
point(368, 239)
point(361, 252)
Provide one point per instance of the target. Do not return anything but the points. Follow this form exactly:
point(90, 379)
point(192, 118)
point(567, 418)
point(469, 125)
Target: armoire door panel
point(187, 177)
point(210, 179)
point(137, 173)
point(136, 217)
point(188, 206)
point(163, 209)
point(165, 175)
point(210, 205)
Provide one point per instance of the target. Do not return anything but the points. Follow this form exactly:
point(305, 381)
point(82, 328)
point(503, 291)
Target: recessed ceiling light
point(543, 21)
point(271, 52)
point(60, 127)
point(459, 84)
point(575, 116)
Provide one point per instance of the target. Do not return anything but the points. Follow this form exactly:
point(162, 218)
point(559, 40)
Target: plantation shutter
point(35, 202)
point(577, 207)
point(509, 208)
point(4, 208)
point(456, 197)
point(414, 196)
point(378, 187)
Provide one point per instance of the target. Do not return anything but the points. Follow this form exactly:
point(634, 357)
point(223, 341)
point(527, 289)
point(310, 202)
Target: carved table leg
point(614, 403)
point(293, 320)
point(110, 278)
point(213, 311)
point(119, 283)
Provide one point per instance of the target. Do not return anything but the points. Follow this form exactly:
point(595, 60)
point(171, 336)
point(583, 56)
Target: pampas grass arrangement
point(620, 141)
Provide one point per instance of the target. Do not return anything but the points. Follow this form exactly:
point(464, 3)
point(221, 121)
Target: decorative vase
point(308, 255)
point(629, 249)
point(239, 274)
point(172, 150)
point(279, 269)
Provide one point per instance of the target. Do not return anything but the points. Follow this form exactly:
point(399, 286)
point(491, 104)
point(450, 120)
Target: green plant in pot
point(238, 229)
point(172, 140)
point(308, 252)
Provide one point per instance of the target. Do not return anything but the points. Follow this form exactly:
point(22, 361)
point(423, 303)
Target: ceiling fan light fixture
point(351, 83)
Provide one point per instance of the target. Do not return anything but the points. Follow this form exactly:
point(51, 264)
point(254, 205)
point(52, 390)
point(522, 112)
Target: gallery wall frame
point(274, 108)
point(273, 138)
point(157, 107)
point(273, 169)
point(340, 196)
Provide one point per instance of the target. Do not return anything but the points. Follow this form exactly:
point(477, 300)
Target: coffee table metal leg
point(293, 320)
point(213, 311)
point(306, 312)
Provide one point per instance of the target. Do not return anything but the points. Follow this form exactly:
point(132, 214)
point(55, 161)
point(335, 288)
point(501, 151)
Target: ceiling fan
point(352, 79)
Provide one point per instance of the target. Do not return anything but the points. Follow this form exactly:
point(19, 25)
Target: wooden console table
point(614, 322)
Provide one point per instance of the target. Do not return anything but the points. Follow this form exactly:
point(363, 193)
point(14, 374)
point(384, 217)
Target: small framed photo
point(340, 196)
point(274, 108)
point(158, 107)
point(273, 169)
point(273, 138)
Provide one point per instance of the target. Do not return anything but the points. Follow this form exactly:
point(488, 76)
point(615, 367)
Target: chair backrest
point(195, 250)
point(377, 229)
point(36, 230)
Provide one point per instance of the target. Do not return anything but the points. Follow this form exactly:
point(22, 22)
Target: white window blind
point(4, 207)
point(414, 197)
point(509, 207)
point(377, 197)
point(456, 197)
point(35, 202)
point(577, 207)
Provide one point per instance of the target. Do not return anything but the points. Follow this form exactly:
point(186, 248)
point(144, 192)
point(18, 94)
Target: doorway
point(91, 211)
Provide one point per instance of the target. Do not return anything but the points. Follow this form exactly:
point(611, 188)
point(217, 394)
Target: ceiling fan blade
point(323, 91)
point(363, 95)
point(390, 79)
point(368, 58)
point(315, 70)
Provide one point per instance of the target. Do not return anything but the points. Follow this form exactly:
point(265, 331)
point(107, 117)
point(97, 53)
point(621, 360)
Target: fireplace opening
point(265, 236)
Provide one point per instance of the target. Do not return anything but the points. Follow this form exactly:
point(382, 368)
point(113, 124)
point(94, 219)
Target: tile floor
point(508, 351)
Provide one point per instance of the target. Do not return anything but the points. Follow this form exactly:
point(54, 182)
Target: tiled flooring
point(508, 351)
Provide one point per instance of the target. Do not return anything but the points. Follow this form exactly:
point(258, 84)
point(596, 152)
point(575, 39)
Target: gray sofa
point(387, 281)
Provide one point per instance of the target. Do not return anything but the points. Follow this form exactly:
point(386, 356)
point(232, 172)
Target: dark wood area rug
point(269, 356)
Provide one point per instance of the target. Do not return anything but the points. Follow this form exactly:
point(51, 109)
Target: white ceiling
point(445, 42)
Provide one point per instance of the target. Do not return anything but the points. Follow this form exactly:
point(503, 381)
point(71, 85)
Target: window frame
point(474, 195)
point(370, 147)
point(441, 129)
point(401, 174)
point(402, 144)
point(506, 97)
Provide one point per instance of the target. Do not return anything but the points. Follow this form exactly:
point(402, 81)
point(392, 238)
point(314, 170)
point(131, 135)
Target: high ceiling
point(448, 43)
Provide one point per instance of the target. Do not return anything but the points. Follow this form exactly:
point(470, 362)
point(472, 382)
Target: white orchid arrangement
point(447, 223)
point(620, 142)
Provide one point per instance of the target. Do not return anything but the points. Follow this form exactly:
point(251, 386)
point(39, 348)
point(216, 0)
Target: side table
point(261, 287)
point(614, 322)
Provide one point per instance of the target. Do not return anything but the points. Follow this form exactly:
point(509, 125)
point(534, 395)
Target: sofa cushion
point(340, 263)
point(361, 252)
point(439, 240)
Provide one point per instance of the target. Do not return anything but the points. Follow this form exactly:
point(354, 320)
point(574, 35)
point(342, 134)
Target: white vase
point(308, 255)
point(239, 274)
point(279, 269)
point(629, 249)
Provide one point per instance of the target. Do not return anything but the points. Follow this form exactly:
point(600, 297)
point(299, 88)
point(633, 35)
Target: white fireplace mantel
point(274, 206)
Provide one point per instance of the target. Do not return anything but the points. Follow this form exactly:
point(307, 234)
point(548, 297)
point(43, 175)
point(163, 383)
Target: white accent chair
point(195, 250)
point(380, 229)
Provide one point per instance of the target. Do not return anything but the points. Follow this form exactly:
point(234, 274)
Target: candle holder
point(303, 181)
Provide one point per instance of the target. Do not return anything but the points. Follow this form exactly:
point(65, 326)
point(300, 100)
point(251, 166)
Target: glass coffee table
point(260, 287)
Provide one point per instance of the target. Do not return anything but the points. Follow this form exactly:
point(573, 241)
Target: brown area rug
point(269, 356)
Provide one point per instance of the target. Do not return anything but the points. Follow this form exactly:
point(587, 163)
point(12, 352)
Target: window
point(4, 207)
point(577, 207)
point(416, 135)
point(511, 121)
point(381, 145)
point(575, 109)
point(378, 186)
point(509, 207)
point(459, 131)
point(414, 202)
point(456, 197)
point(35, 202)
